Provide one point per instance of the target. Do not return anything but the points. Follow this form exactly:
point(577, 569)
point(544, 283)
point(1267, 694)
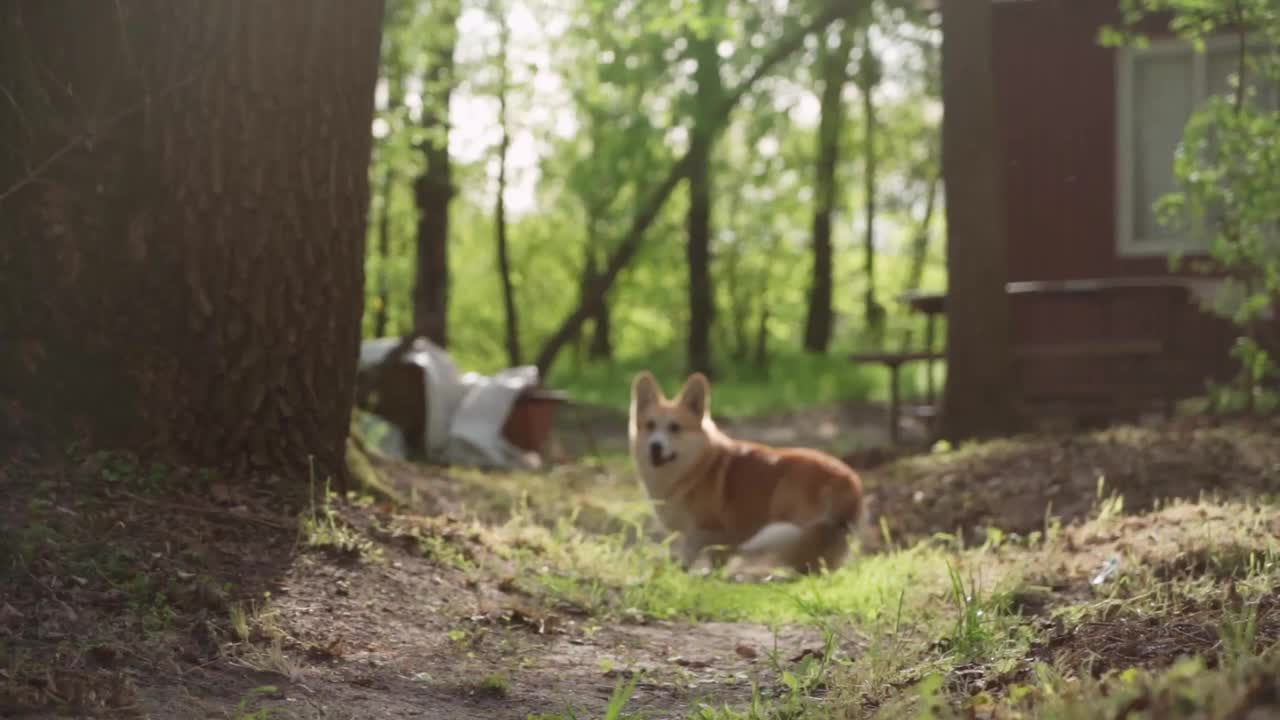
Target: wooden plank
point(1095, 286)
point(898, 358)
point(1108, 394)
point(1095, 349)
point(935, 303)
point(923, 301)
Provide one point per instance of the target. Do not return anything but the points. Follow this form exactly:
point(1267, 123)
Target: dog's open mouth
point(657, 458)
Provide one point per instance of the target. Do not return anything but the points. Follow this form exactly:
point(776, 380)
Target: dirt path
point(409, 638)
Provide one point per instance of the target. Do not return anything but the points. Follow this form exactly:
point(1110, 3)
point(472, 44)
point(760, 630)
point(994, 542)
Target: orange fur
point(795, 504)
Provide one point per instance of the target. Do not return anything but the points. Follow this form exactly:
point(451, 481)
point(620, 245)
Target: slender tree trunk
point(500, 206)
point(978, 400)
point(182, 202)
point(589, 275)
point(504, 260)
point(698, 223)
point(433, 190)
point(394, 72)
point(653, 202)
point(601, 347)
point(698, 255)
point(762, 338)
point(384, 256)
point(868, 80)
point(762, 328)
point(739, 310)
point(835, 63)
point(920, 243)
point(602, 337)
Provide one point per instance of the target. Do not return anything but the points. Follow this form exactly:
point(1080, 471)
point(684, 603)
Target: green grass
point(321, 528)
point(616, 578)
point(244, 709)
point(918, 614)
point(791, 381)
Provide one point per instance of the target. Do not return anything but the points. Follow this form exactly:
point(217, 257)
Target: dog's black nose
point(655, 453)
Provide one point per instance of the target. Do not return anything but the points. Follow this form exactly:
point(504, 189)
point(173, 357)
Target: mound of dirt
point(1017, 484)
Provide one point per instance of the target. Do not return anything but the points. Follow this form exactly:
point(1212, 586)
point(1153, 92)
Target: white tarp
point(465, 412)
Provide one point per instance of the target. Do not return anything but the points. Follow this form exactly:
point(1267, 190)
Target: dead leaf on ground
point(691, 664)
point(333, 650)
point(807, 652)
point(221, 493)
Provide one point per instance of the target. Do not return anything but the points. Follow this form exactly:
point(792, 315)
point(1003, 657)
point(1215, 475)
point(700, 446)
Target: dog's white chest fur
point(657, 485)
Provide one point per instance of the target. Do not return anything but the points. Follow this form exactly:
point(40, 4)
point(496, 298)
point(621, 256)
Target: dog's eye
point(673, 428)
point(651, 426)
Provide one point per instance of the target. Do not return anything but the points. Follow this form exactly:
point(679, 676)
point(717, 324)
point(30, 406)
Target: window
point(1157, 90)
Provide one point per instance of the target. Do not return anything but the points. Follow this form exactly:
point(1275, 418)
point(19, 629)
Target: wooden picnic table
point(932, 304)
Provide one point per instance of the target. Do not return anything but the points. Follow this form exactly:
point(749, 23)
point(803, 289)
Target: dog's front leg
point(698, 541)
point(691, 547)
point(719, 555)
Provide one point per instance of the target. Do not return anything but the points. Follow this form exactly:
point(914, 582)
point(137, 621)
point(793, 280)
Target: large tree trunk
point(835, 64)
point(183, 191)
point(648, 210)
point(698, 221)
point(433, 190)
point(978, 397)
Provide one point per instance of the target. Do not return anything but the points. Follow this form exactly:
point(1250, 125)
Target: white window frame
point(1196, 241)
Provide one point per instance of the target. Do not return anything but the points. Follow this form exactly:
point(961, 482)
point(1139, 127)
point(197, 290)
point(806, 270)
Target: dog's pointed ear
point(645, 391)
point(696, 395)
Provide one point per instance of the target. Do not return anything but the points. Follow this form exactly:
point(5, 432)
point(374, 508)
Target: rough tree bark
point(835, 73)
point(698, 221)
point(433, 190)
point(648, 210)
point(183, 190)
point(978, 397)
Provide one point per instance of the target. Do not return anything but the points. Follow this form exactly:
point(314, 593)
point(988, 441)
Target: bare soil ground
point(137, 590)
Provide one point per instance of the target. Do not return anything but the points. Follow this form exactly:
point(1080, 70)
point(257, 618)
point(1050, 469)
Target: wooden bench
point(1152, 360)
point(1109, 399)
point(1134, 367)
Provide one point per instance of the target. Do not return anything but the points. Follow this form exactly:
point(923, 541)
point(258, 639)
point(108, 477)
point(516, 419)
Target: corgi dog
point(794, 505)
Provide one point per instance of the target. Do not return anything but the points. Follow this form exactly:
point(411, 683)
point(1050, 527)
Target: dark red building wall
point(1056, 109)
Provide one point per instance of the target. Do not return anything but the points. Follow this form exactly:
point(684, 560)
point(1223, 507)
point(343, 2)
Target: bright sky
point(540, 107)
point(539, 103)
